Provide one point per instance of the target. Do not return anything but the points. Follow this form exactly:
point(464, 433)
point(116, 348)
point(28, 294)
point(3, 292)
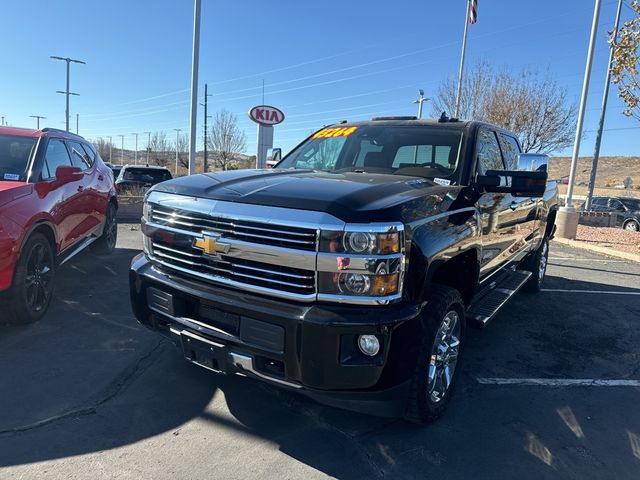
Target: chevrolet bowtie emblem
point(210, 244)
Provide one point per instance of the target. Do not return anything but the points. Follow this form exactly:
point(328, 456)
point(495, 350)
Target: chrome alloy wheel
point(542, 267)
point(444, 356)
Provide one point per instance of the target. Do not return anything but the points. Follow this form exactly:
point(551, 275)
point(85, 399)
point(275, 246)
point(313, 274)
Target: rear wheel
point(436, 369)
point(537, 265)
point(33, 284)
point(107, 242)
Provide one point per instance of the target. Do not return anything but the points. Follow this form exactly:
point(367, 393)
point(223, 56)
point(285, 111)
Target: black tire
point(33, 281)
point(632, 226)
point(107, 242)
point(537, 265)
point(424, 404)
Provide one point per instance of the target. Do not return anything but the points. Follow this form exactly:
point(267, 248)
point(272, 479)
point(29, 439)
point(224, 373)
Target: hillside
point(611, 170)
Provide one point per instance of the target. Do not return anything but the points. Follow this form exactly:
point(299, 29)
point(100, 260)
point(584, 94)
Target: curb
point(603, 250)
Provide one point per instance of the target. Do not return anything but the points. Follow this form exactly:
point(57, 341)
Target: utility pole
point(2, 121)
point(110, 147)
point(148, 145)
point(121, 149)
point(135, 156)
point(567, 219)
point(37, 117)
point(603, 111)
point(195, 58)
point(178, 130)
point(206, 116)
point(67, 92)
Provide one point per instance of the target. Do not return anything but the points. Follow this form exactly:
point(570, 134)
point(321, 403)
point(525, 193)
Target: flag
point(473, 11)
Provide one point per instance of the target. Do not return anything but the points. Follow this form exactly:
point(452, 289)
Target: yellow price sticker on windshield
point(334, 132)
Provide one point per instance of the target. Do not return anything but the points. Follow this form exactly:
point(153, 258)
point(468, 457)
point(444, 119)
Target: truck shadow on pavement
point(88, 379)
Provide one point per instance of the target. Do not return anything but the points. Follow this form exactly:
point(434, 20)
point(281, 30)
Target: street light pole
point(567, 219)
point(194, 86)
point(148, 145)
point(135, 156)
point(421, 99)
point(110, 146)
point(67, 92)
point(37, 117)
point(121, 149)
point(603, 111)
point(456, 112)
point(178, 130)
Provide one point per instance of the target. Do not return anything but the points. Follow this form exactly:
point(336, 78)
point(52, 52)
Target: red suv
point(57, 197)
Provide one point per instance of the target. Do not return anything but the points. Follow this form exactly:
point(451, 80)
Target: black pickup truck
point(350, 271)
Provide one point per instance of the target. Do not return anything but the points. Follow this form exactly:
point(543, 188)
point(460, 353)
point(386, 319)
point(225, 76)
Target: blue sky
point(321, 62)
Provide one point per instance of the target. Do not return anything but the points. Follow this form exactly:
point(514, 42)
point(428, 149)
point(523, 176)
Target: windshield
point(145, 175)
point(420, 150)
point(15, 154)
point(632, 204)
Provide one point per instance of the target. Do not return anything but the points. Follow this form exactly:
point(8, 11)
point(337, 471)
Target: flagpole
point(464, 49)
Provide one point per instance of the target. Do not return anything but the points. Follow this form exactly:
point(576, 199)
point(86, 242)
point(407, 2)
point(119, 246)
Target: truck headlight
point(361, 261)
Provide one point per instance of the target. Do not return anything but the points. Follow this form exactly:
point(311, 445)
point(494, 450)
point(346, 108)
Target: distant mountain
point(611, 170)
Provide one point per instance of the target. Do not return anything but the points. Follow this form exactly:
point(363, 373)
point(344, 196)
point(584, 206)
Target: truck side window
point(510, 150)
point(56, 156)
point(488, 151)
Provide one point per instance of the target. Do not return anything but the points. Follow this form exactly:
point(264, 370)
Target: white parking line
point(605, 292)
point(559, 382)
point(587, 260)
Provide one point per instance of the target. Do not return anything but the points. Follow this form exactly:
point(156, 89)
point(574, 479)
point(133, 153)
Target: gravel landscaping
point(614, 238)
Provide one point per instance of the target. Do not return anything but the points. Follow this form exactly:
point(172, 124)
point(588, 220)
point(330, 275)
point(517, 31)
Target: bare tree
point(624, 70)
point(225, 139)
point(102, 146)
point(183, 150)
point(531, 105)
point(160, 149)
point(627, 182)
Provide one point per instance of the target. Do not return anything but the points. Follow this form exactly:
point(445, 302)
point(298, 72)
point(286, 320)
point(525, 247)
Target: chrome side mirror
point(533, 162)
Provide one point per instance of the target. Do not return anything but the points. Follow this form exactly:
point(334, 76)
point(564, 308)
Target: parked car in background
point(140, 177)
point(116, 169)
point(627, 208)
point(57, 197)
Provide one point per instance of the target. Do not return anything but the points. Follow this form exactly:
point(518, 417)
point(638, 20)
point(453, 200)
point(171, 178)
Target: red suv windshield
point(15, 155)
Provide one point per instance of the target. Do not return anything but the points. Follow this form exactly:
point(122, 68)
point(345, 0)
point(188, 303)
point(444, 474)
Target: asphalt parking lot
point(550, 389)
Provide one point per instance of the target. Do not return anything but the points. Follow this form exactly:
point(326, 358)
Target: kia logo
point(266, 115)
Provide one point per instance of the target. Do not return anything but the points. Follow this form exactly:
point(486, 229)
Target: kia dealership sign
point(266, 115)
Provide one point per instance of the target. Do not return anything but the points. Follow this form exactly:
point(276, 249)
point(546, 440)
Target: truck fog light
point(369, 345)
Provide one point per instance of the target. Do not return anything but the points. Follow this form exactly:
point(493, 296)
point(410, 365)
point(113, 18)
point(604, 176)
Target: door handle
point(514, 205)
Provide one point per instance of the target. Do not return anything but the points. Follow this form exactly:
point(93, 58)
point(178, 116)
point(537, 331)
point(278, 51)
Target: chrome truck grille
point(248, 231)
point(255, 253)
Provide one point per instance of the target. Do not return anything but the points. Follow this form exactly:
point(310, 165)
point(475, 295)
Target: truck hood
point(348, 196)
point(9, 191)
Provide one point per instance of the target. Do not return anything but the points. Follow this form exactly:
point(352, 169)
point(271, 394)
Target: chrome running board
point(77, 249)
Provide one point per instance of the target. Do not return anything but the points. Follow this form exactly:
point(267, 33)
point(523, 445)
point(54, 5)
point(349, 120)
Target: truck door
point(501, 217)
point(525, 208)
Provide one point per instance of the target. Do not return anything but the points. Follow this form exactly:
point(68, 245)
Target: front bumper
point(309, 348)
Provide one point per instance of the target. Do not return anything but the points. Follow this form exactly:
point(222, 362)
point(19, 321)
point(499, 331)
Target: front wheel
point(537, 265)
point(32, 287)
point(436, 369)
point(632, 226)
